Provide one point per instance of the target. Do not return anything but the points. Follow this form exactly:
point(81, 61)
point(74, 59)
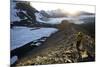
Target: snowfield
point(23, 35)
point(59, 20)
point(13, 59)
point(76, 19)
point(72, 19)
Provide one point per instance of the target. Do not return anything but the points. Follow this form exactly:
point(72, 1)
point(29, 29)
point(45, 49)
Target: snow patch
point(13, 59)
point(14, 11)
point(38, 44)
point(38, 17)
point(23, 35)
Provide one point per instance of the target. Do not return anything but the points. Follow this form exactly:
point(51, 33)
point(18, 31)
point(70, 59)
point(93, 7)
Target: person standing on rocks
point(79, 40)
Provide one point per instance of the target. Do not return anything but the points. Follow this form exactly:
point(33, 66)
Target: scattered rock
point(67, 51)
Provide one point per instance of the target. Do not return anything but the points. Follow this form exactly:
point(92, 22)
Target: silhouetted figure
point(79, 39)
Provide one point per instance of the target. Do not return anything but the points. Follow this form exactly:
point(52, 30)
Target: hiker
point(79, 39)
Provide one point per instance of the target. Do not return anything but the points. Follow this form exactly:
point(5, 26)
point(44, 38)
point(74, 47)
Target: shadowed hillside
point(68, 45)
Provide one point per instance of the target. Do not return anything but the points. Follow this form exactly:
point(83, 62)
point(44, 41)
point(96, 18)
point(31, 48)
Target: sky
point(71, 8)
point(48, 5)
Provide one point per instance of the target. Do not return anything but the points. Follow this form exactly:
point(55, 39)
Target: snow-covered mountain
point(40, 17)
point(44, 13)
point(85, 13)
point(14, 12)
point(22, 13)
point(86, 16)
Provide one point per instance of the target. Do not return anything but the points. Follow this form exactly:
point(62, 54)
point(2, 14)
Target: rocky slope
point(69, 45)
point(23, 14)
